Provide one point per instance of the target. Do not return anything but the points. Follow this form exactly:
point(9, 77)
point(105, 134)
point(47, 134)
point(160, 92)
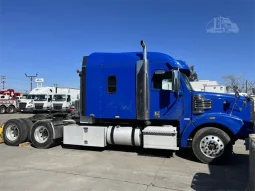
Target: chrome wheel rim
point(11, 110)
point(212, 146)
point(41, 134)
point(12, 132)
point(2, 110)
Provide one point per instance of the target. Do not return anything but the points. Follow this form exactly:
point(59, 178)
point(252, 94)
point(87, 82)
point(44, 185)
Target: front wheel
point(212, 145)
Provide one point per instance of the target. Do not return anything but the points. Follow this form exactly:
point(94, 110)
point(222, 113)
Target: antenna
point(31, 80)
point(3, 80)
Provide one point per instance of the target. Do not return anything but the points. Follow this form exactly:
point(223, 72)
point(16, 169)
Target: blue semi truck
point(144, 99)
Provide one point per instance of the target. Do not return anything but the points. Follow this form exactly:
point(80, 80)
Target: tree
point(239, 83)
point(193, 74)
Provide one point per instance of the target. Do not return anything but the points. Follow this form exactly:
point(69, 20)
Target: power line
point(31, 80)
point(3, 80)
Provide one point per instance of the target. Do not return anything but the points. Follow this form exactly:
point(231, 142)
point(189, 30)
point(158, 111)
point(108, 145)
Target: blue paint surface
point(123, 65)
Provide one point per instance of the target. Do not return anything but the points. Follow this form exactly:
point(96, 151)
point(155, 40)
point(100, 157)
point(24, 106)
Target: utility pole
point(3, 80)
point(56, 87)
point(31, 80)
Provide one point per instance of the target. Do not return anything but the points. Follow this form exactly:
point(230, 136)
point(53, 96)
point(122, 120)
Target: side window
point(162, 80)
point(112, 84)
point(68, 98)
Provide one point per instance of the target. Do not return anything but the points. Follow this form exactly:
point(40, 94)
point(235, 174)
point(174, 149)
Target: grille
point(200, 104)
point(22, 105)
point(57, 106)
point(39, 106)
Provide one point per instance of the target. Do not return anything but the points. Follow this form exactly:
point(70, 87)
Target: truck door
point(163, 102)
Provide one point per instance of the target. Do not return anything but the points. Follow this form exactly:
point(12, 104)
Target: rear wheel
point(42, 135)
point(212, 146)
point(11, 109)
point(15, 132)
point(2, 109)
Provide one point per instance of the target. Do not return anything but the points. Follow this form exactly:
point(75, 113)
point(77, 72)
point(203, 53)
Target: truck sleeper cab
point(145, 99)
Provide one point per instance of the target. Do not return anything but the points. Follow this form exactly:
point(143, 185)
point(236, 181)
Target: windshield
point(30, 96)
point(60, 97)
point(40, 98)
point(187, 82)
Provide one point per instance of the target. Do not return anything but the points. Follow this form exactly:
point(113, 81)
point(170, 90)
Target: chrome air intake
point(200, 104)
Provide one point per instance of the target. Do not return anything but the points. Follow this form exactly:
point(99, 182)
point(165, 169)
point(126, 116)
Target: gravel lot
point(121, 168)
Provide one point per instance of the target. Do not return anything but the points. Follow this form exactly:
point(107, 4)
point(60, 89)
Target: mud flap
point(1, 134)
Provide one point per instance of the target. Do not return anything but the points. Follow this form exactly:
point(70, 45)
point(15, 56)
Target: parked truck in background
point(144, 99)
point(64, 98)
point(8, 101)
point(49, 99)
point(26, 104)
point(208, 86)
point(43, 99)
point(40, 93)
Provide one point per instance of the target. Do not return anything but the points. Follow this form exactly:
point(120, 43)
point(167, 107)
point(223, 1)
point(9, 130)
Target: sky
point(51, 36)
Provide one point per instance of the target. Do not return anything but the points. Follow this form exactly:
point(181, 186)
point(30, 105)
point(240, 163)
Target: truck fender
point(233, 123)
point(57, 130)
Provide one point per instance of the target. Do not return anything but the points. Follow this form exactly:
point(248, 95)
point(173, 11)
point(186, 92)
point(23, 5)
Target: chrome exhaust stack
point(144, 51)
point(142, 86)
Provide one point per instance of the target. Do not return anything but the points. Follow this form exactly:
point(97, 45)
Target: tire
point(2, 109)
point(29, 125)
point(42, 135)
point(212, 146)
point(18, 127)
point(11, 109)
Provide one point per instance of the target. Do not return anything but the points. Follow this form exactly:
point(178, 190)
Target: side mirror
point(176, 81)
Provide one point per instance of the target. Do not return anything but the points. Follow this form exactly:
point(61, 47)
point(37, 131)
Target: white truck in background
point(208, 86)
point(27, 104)
point(40, 99)
point(64, 98)
point(37, 98)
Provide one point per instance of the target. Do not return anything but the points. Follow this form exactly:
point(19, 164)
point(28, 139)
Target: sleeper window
point(112, 84)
